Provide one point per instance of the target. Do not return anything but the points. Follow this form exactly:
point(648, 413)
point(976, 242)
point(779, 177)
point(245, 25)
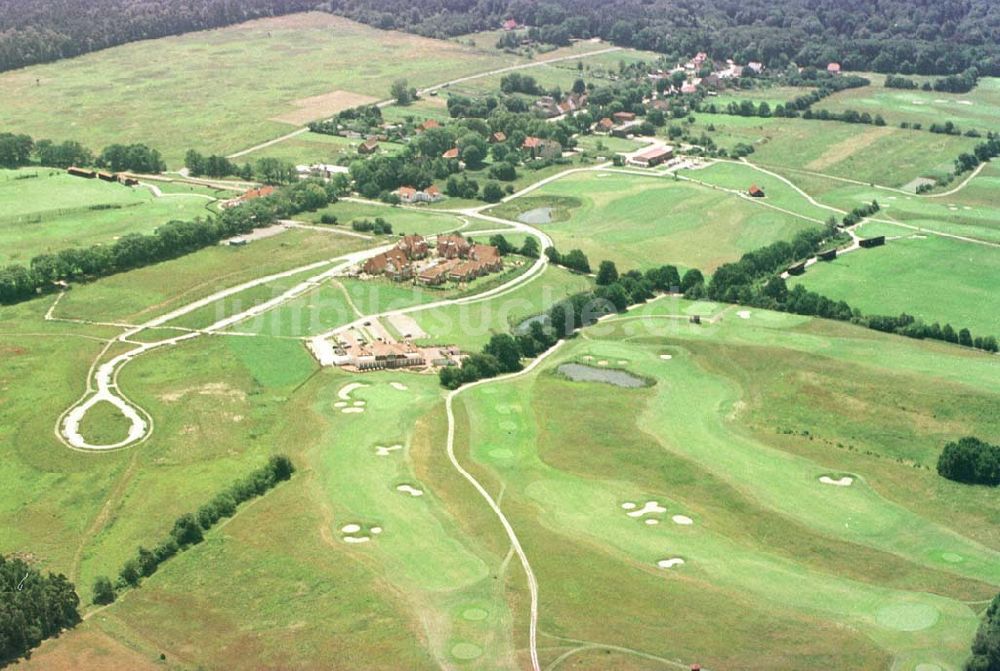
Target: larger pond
point(539, 215)
point(580, 373)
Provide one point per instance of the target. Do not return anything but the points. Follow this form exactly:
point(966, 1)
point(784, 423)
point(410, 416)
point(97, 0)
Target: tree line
point(171, 240)
point(755, 280)
point(189, 529)
point(39, 31)
point(940, 38)
point(33, 607)
point(615, 293)
point(960, 83)
point(20, 150)
point(970, 460)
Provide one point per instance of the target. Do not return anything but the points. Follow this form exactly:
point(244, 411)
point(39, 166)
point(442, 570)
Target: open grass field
point(142, 294)
point(927, 276)
point(978, 109)
point(44, 210)
point(868, 593)
point(253, 73)
point(404, 220)
point(883, 155)
point(640, 222)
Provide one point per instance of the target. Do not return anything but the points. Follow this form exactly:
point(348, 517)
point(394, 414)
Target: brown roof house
point(393, 264)
point(369, 146)
point(756, 191)
point(453, 247)
point(414, 246)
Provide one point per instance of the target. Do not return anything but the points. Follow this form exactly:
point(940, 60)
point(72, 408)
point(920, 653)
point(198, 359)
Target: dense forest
point(38, 31)
point(33, 607)
point(908, 37)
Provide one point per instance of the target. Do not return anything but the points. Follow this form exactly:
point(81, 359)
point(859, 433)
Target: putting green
point(907, 616)
point(466, 651)
point(475, 614)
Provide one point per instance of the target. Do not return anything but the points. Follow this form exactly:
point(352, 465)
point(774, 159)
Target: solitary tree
point(104, 591)
point(403, 94)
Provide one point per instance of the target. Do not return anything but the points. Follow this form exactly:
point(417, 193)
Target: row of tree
point(18, 150)
point(754, 280)
point(970, 460)
point(961, 83)
point(189, 528)
point(615, 293)
point(981, 153)
point(171, 240)
point(33, 607)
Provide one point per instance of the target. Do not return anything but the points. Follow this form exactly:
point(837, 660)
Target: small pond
point(539, 215)
point(580, 373)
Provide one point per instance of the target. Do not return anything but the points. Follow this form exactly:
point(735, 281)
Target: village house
point(509, 24)
point(427, 125)
point(409, 195)
point(369, 146)
point(833, 68)
point(756, 191)
point(252, 194)
point(498, 137)
point(81, 172)
point(488, 258)
point(756, 66)
point(605, 125)
point(623, 117)
point(451, 153)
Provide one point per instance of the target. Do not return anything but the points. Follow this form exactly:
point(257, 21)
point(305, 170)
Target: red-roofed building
point(509, 24)
point(427, 125)
point(622, 117)
point(498, 137)
point(369, 146)
point(453, 247)
point(833, 68)
point(451, 153)
point(414, 246)
point(393, 264)
point(756, 191)
point(604, 125)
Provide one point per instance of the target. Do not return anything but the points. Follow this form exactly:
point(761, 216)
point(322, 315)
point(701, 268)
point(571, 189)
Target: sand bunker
point(340, 404)
point(628, 505)
point(648, 508)
point(964, 102)
point(602, 362)
point(359, 404)
point(622, 362)
point(398, 386)
point(845, 481)
point(743, 314)
point(352, 410)
point(351, 528)
point(345, 392)
point(683, 520)
point(412, 491)
point(381, 451)
point(670, 563)
point(651, 521)
point(376, 530)
point(356, 539)
point(666, 357)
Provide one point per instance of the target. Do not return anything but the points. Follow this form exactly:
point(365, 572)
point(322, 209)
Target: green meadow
point(978, 109)
point(928, 276)
point(45, 210)
point(640, 222)
point(128, 94)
